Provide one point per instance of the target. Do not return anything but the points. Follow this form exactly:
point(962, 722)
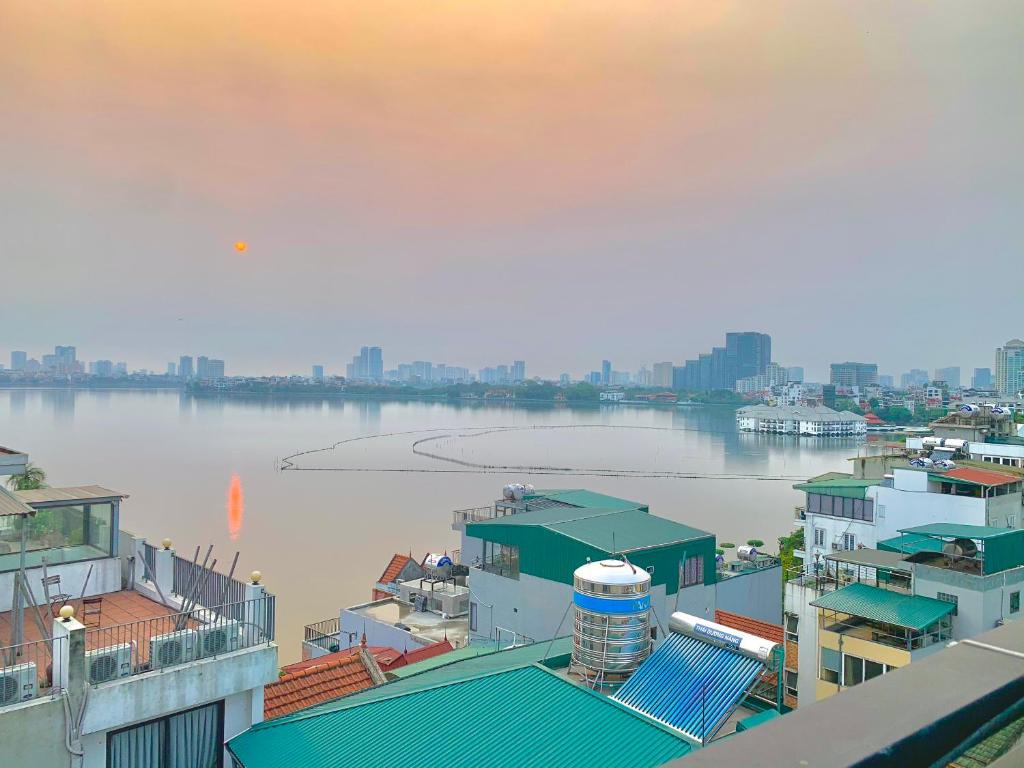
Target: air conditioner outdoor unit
point(836, 546)
point(222, 636)
point(109, 663)
point(18, 683)
point(172, 648)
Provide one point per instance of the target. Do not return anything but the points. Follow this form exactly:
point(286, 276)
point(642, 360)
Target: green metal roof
point(524, 716)
point(609, 530)
point(910, 544)
point(444, 659)
point(581, 497)
point(958, 531)
point(883, 605)
point(847, 487)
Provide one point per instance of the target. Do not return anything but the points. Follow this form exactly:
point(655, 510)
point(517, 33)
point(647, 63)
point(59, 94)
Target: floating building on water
point(809, 421)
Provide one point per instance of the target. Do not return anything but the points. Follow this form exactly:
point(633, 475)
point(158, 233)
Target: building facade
point(1009, 368)
point(850, 374)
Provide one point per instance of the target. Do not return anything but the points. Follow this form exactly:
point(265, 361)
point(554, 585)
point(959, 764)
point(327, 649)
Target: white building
point(844, 513)
point(616, 396)
point(816, 421)
point(161, 661)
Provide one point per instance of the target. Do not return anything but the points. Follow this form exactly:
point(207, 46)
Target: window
point(59, 533)
point(472, 616)
point(792, 623)
point(873, 669)
point(849, 541)
point(946, 597)
point(193, 738)
point(1011, 521)
point(693, 571)
point(830, 665)
point(650, 569)
point(853, 670)
point(1015, 602)
point(819, 537)
point(791, 682)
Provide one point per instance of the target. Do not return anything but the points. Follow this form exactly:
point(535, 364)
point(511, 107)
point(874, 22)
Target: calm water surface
point(205, 471)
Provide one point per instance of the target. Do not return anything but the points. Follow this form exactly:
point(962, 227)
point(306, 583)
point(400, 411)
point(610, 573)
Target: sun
point(241, 246)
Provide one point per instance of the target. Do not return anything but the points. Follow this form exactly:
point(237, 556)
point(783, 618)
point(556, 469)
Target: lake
point(204, 471)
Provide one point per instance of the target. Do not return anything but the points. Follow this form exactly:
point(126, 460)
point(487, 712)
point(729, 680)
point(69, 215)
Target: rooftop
point(798, 412)
point(959, 531)
point(581, 497)
point(845, 486)
point(910, 544)
point(885, 606)
point(391, 573)
point(317, 683)
point(12, 505)
point(75, 493)
point(871, 558)
point(610, 530)
point(530, 703)
point(972, 476)
point(423, 624)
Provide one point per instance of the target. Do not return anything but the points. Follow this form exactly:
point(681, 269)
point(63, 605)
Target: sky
point(476, 181)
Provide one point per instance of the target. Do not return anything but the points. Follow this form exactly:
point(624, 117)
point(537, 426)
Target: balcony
point(472, 515)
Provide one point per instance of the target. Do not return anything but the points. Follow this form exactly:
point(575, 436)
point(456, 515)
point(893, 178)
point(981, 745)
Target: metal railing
point(472, 515)
point(884, 634)
point(149, 555)
point(178, 638)
point(26, 670)
point(323, 634)
point(205, 585)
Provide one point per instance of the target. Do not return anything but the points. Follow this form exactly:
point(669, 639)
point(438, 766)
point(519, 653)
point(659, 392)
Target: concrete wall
point(982, 601)
point(798, 601)
point(528, 605)
point(353, 624)
point(105, 577)
point(32, 734)
point(757, 594)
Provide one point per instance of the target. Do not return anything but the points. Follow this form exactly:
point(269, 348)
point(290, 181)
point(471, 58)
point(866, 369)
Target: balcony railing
point(205, 585)
point(26, 670)
point(884, 634)
point(178, 638)
point(323, 634)
point(473, 515)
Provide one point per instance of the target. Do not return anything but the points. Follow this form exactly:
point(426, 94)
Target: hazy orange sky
point(475, 181)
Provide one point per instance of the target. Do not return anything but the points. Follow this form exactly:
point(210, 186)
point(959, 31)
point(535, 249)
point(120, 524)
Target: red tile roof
point(425, 652)
point(316, 684)
point(980, 476)
point(398, 562)
point(763, 629)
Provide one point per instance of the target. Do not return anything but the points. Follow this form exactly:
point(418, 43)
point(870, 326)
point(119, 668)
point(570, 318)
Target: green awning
point(911, 544)
point(886, 606)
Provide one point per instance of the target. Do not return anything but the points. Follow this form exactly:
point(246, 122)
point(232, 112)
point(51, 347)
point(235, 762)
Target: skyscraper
point(662, 375)
point(795, 373)
point(18, 361)
point(172, 369)
point(214, 369)
point(318, 372)
point(720, 368)
point(853, 374)
point(185, 366)
point(375, 364)
point(950, 375)
point(1009, 370)
point(982, 378)
point(518, 370)
point(202, 367)
point(915, 377)
point(747, 354)
point(606, 371)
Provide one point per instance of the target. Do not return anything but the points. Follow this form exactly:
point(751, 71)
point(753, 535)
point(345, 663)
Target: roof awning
point(76, 493)
point(886, 606)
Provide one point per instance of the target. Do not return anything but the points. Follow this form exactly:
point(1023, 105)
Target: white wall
point(798, 601)
point(105, 577)
point(23, 734)
point(353, 624)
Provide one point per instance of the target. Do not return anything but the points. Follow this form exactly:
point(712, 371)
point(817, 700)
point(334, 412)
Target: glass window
point(853, 670)
point(60, 534)
point(693, 571)
point(193, 738)
point(946, 597)
point(847, 507)
point(819, 537)
point(872, 669)
point(849, 541)
point(792, 622)
point(813, 502)
point(830, 664)
point(791, 682)
point(1015, 602)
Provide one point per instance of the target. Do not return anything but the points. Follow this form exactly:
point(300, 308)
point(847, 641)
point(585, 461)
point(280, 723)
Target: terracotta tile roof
point(398, 562)
point(316, 684)
point(427, 652)
point(980, 476)
point(763, 629)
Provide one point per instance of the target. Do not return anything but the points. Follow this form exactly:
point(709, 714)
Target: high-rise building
point(678, 376)
point(518, 371)
point(121, 369)
point(318, 372)
point(101, 368)
point(565, 380)
point(950, 375)
point(982, 378)
point(795, 373)
point(915, 377)
point(202, 367)
point(594, 378)
point(1009, 369)
point(18, 360)
point(828, 395)
point(747, 354)
point(691, 375)
point(606, 371)
point(172, 369)
point(662, 375)
point(214, 369)
point(886, 381)
point(375, 364)
point(719, 368)
point(185, 367)
point(853, 374)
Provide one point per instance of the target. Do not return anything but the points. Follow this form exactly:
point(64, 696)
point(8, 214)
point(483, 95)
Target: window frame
point(165, 758)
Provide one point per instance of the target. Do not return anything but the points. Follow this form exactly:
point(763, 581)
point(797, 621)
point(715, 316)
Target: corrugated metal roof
point(875, 604)
point(959, 531)
point(609, 530)
point(909, 544)
point(847, 487)
point(979, 476)
point(12, 505)
point(581, 497)
point(75, 493)
point(510, 718)
point(690, 685)
point(871, 558)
